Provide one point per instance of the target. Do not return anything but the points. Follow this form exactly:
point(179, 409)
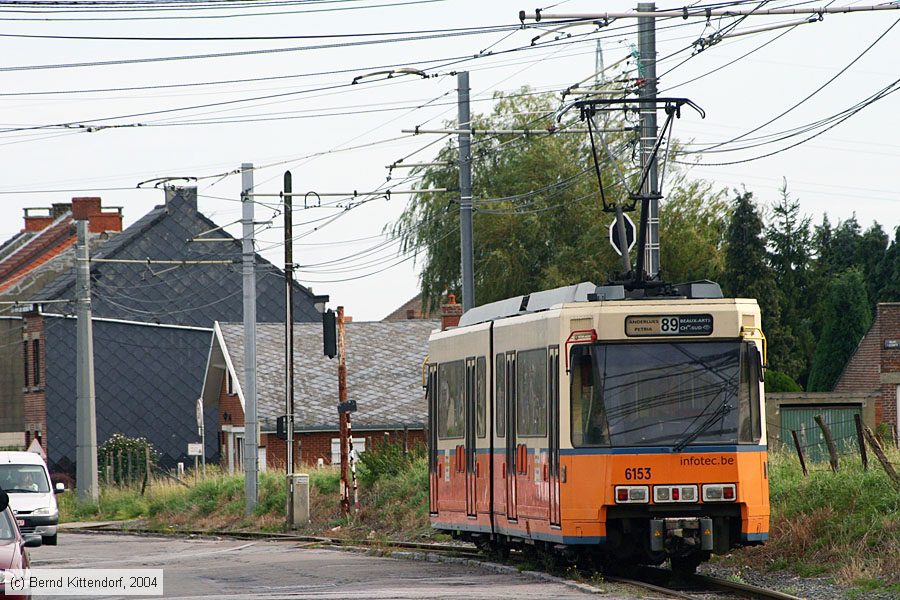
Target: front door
point(512, 464)
point(553, 427)
point(471, 493)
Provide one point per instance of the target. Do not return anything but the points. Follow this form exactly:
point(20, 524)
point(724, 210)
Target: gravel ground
point(810, 588)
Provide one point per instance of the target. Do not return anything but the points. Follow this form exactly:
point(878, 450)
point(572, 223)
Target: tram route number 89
point(669, 324)
point(640, 473)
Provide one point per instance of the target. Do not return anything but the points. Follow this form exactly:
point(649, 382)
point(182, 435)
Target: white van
point(24, 476)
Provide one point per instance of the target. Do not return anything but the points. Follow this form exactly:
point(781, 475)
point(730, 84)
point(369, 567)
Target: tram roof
point(585, 291)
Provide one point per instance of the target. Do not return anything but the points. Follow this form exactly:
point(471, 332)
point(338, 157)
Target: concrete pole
point(289, 342)
point(465, 191)
point(343, 415)
point(86, 416)
point(647, 48)
point(251, 441)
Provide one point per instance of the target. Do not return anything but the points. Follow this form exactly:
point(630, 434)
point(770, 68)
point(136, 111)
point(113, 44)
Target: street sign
point(347, 407)
point(629, 234)
point(195, 449)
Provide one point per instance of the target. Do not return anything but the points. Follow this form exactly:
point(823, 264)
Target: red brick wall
point(863, 372)
point(309, 447)
point(35, 402)
point(230, 407)
point(889, 321)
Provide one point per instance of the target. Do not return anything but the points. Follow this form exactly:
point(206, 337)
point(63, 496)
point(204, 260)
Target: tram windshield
point(664, 394)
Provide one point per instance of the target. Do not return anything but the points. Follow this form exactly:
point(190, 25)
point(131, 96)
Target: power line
point(806, 98)
point(213, 16)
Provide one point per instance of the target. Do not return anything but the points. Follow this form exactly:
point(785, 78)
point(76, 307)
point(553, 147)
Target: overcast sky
point(851, 168)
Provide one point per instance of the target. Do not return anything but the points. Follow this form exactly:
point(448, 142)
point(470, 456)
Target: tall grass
point(846, 524)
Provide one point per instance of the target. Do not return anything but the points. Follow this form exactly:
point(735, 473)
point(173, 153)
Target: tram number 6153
point(639, 473)
point(669, 324)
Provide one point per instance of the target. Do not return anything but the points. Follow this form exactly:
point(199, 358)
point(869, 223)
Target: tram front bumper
point(681, 532)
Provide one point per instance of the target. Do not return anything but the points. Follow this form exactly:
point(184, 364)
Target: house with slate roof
point(384, 377)
point(152, 325)
point(29, 261)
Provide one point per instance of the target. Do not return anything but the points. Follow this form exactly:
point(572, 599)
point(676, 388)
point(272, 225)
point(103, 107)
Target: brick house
point(384, 377)
point(875, 365)
point(152, 325)
point(29, 261)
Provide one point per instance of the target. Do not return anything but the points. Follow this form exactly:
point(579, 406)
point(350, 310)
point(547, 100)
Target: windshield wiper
point(19, 490)
point(713, 418)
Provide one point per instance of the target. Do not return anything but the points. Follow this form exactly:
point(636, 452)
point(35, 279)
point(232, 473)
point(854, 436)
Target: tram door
point(512, 466)
point(471, 492)
point(433, 479)
point(553, 430)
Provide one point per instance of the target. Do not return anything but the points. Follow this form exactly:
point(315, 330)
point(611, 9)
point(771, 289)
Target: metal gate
point(838, 417)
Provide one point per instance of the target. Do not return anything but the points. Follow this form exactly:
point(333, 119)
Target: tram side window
point(531, 400)
point(500, 396)
point(451, 400)
point(589, 424)
point(480, 394)
point(749, 427)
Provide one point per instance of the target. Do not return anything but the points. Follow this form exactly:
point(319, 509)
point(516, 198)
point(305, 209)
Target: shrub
point(776, 381)
point(385, 459)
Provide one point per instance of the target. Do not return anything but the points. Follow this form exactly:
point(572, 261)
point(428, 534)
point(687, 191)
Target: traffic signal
point(329, 333)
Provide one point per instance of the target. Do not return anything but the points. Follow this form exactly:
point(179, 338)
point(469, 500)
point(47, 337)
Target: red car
point(12, 544)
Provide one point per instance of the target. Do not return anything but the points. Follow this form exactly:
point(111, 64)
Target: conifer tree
point(888, 272)
point(847, 319)
point(747, 272)
point(789, 238)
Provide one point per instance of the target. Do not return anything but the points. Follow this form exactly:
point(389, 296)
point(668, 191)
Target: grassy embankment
point(844, 525)
point(393, 502)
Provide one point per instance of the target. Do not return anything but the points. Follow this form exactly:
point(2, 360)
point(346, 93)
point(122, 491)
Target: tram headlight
point(632, 494)
point(719, 492)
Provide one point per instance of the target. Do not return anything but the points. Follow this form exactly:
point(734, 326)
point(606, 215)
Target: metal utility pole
point(343, 414)
point(251, 453)
point(465, 191)
point(87, 479)
point(289, 342)
point(649, 228)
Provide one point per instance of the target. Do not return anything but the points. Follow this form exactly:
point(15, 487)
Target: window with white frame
point(359, 446)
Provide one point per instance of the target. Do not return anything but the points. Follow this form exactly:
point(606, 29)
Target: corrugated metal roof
point(384, 372)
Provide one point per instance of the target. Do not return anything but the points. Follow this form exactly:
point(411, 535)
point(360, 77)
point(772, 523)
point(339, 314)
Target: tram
point(583, 421)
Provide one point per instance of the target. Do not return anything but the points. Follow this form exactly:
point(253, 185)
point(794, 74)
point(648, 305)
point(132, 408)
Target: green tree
point(888, 272)
point(693, 226)
point(538, 220)
point(747, 271)
point(870, 251)
point(790, 240)
point(847, 320)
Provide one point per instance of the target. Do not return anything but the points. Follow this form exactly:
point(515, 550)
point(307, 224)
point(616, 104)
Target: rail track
point(658, 580)
point(696, 587)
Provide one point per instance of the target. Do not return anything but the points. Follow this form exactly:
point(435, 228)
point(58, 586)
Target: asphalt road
point(197, 569)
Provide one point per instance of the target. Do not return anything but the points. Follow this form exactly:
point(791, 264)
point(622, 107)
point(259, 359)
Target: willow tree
point(539, 221)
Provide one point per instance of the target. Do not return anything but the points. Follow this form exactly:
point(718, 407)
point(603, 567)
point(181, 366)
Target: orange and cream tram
point(577, 420)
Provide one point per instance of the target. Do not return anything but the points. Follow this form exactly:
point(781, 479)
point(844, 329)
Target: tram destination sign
point(655, 325)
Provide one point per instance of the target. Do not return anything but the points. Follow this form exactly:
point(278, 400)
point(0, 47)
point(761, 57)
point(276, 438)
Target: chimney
point(38, 222)
point(99, 219)
point(450, 312)
point(178, 197)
